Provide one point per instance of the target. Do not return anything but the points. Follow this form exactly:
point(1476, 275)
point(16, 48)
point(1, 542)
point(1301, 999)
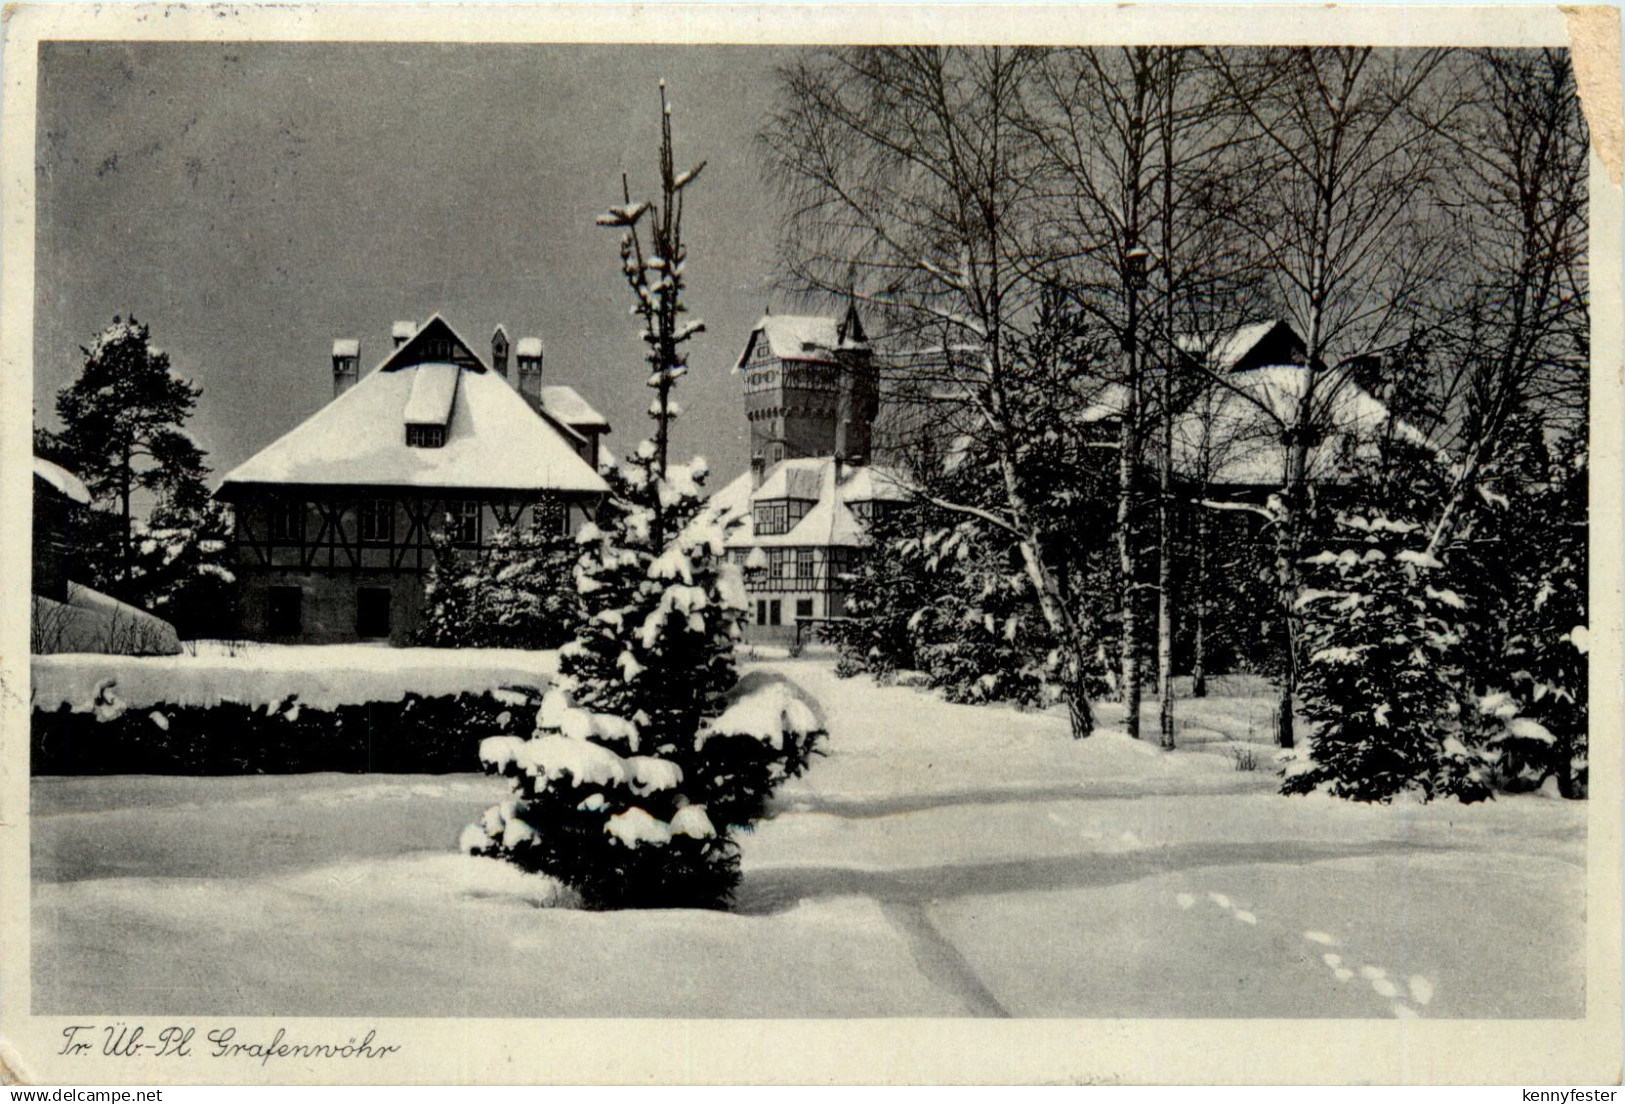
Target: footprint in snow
point(1185, 900)
point(1246, 917)
point(1332, 960)
point(1219, 899)
point(1320, 937)
point(1421, 988)
point(1404, 1011)
point(1372, 973)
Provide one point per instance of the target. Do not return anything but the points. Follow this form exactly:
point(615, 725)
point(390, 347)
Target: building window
point(804, 563)
point(426, 436)
point(761, 611)
point(803, 608)
point(372, 612)
point(550, 518)
point(772, 517)
point(286, 519)
point(284, 611)
point(463, 521)
point(377, 520)
point(774, 612)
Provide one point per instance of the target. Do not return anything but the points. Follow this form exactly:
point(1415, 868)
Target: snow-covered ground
point(941, 861)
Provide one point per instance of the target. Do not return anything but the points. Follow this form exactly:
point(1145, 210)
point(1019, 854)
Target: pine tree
point(123, 421)
point(647, 755)
point(1382, 674)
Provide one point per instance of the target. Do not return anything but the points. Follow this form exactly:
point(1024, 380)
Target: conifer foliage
point(1383, 671)
point(123, 432)
point(649, 752)
point(517, 593)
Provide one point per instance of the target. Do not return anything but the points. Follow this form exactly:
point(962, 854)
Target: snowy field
point(941, 861)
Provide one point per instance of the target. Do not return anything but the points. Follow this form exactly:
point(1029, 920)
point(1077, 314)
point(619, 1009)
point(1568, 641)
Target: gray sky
point(251, 202)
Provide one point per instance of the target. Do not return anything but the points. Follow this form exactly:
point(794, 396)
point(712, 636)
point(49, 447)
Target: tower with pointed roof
point(810, 387)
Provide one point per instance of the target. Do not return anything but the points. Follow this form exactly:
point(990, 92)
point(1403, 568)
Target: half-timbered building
point(803, 510)
point(335, 520)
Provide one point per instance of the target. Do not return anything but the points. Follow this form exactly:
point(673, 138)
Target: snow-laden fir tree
point(517, 592)
point(1382, 678)
point(648, 754)
point(1531, 664)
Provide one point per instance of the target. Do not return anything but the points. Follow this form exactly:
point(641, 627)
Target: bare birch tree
point(909, 187)
point(1347, 165)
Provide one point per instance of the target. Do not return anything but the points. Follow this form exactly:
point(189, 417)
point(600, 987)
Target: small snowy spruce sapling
point(1381, 685)
point(649, 753)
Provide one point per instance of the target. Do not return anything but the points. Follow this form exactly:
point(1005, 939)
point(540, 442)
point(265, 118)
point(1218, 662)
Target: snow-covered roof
point(494, 441)
point(502, 330)
point(62, 479)
point(528, 347)
point(434, 391)
point(1238, 428)
point(798, 337)
point(829, 521)
point(346, 347)
point(567, 405)
point(1223, 350)
point(403, 328)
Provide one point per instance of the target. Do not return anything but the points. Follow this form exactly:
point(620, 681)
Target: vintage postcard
point(810, 544)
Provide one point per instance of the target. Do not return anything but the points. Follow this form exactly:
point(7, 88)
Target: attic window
point(426, 436)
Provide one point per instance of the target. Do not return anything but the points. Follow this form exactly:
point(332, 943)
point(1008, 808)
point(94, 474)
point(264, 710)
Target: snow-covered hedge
point(319, 676)
point(279, 710)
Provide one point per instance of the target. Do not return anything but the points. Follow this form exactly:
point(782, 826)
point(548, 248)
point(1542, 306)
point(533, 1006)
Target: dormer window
point(772, 518)
point(426, 436)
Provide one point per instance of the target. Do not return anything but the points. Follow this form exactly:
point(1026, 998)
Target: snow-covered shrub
point(642, 765)
point(1381, 681)
point(514, 593)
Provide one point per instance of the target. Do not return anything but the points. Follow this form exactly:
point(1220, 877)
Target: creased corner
point(1594, 47)
point(11, 1066)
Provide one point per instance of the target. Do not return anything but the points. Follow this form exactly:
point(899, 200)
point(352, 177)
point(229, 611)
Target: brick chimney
point(346, 364)
point(401, 332)
point(758, 471)
point(529, 355)
point(499, 351)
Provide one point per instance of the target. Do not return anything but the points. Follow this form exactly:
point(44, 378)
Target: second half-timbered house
point(335, 521)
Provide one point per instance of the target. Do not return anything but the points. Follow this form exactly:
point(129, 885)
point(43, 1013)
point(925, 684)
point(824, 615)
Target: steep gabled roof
point(1235, 432)
point(1225, 350)
point(829, 521)
point(493, 441)
point(806, 337)
point(567, 406)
